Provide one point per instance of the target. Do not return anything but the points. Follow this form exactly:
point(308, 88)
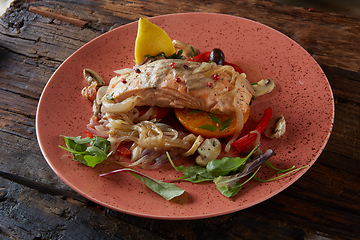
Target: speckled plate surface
point(303, 96)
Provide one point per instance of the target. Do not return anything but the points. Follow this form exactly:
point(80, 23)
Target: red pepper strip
point(122, 150)
point(89, 134)
point(236, 68)
point(244, 142)
point(205, 57)
point(158, 112)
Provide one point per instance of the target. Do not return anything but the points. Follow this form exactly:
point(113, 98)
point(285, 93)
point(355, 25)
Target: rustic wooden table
point(37, 36)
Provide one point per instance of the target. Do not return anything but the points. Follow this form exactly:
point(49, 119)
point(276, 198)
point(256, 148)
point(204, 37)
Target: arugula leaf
point(193, 173)
point(91, 155)
point(222, 167)
point(229, 186)
point(230, 192)
point(166, 190)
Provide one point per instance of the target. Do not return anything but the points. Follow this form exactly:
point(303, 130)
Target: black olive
point(217, 56)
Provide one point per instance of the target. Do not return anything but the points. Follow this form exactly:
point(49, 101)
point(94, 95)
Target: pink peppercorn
point(178, 79)
point(311, 9)
point(185, 66)
point(137, 70)
point(216, 77)
point(173, 65)
point(123, 80)
point(210, 84)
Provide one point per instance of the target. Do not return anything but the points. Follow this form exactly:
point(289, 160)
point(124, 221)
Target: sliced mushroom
point(208, 150)
point(94, 81)
point(263, 86)
point(194, 146)
point(91, 77)
point(188, 50)
point(276, 127)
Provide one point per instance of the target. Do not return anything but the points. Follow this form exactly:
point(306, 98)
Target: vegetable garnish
point(166, 190)
point(246, 141)
point(225, 172)
point(176, 55)
point(208, 125)
point(91, 155)
point(222, 124)
point(205, 57)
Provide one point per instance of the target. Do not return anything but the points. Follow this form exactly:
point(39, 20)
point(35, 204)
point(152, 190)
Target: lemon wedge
point(151, 40)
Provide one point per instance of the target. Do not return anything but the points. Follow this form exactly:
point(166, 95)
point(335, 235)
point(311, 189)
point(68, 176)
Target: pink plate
point(303, 95)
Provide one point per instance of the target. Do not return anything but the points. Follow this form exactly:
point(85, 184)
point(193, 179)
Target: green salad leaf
point(222, 167)
point(89, 151)
point(225, 172)
point(193, 173)
point(166, 190)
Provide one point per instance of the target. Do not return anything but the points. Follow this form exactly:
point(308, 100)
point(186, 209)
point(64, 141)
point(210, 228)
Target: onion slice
point(123, 106)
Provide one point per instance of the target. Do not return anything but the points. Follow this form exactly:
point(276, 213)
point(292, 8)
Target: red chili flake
point(311, 9)
point(173, 65)
point(123, 80)
point(137, 70)
point(185, 66)
point(210, 84)
point(216, 77)
point(147, 74)
point(178, 79)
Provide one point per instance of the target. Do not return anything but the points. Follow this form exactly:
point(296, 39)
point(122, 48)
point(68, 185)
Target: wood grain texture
point(324, 203)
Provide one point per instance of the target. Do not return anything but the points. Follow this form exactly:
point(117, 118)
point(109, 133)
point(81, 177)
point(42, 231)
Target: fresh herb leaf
point(176, 55)
point(254, 83)
point(195, 111)
point(215, 119)
point(162, 54)
point(91, 155)
point(193, 50)
point(225, 124)
point(166, 190)
point(109, 97)
point(209, 127)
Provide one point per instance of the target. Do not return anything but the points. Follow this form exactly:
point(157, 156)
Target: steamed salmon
point(183, 84)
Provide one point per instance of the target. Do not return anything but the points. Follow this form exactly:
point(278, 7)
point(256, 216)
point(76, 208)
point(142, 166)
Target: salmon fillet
point(183, 84)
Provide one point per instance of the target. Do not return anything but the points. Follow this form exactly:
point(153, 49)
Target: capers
point(217, 56)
